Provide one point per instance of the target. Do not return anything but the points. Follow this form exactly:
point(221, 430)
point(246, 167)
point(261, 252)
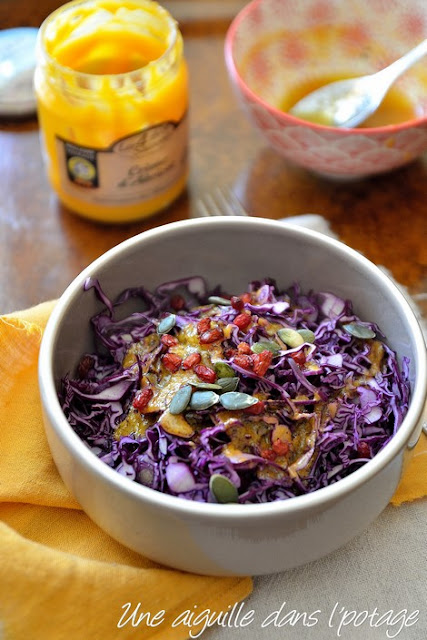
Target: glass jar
point(112, 93)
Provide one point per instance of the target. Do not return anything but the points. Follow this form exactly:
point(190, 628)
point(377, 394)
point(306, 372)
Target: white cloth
point(383, 568)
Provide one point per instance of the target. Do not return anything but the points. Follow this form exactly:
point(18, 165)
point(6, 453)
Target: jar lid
point(17, 65)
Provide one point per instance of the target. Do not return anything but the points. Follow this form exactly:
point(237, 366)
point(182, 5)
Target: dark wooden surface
point(43, 246)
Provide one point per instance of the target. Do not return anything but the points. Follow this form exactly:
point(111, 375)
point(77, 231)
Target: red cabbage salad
point(246, 398)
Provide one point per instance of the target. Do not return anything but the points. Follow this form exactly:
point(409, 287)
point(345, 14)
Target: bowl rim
point(200, 510)
point(341, 131)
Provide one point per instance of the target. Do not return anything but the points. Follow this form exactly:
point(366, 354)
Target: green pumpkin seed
point(219, 300)
point(307, 335)
point(359, 330)
point(228, 384)
point(223, 370)
point(203, 400)
point(180, 400)
point(265, 345)
point(233, 400)
point(223, 489)
point(208, 386)
point(290, 337)
point(167, 323)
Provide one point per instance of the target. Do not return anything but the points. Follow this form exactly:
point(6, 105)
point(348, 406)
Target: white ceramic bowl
point(230, 539)
point(276, 47)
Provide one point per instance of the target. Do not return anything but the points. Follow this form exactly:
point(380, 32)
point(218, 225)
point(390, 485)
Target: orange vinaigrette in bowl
point(395, 108)
point(285, 65)
point(112, 91)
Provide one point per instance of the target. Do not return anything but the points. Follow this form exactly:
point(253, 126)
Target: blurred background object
point(17, 64)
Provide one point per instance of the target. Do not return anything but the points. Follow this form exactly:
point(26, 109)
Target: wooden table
point(43, 246)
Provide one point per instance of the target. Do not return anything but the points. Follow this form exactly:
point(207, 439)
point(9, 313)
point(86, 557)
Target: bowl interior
point(231, 253)
point(283, 50)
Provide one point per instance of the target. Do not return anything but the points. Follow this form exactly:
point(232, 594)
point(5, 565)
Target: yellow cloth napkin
point(61, 577)
point(414, 482)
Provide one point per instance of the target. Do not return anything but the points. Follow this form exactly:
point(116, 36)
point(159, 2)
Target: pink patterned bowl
point(278, 50)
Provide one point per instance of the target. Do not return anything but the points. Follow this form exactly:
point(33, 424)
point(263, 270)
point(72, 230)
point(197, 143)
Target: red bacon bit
point(142, 398)
point(262, 361)
point(280, 447)
point(203, 325)
point(230, 353)
point(363, 450)
point(299, 357)
point(85, 365)
point(168, 340)
point(213, 335)
point(177, 302)
point(190, 361)
point(243, 347)
point(237, 303)
point(243, 361)
point(205, 373)
point(171, 361)
point(242, 321)
point(256, 409)
point(268, 454)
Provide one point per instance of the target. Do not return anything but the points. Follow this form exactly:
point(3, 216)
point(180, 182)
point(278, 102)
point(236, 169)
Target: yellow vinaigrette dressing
point(394, 109)
point(112, 91)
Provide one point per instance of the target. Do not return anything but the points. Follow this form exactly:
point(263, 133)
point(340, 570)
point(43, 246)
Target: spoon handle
point(395, 69)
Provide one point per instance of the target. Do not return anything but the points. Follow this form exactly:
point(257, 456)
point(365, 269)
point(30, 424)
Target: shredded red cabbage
point(322, 407)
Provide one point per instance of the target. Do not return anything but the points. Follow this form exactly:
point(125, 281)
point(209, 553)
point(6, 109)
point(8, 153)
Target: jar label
point(133, 169)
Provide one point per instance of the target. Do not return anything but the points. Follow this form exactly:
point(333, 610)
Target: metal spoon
point(347, 103)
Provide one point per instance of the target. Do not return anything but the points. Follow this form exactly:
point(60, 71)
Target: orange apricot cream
point(112, 92)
